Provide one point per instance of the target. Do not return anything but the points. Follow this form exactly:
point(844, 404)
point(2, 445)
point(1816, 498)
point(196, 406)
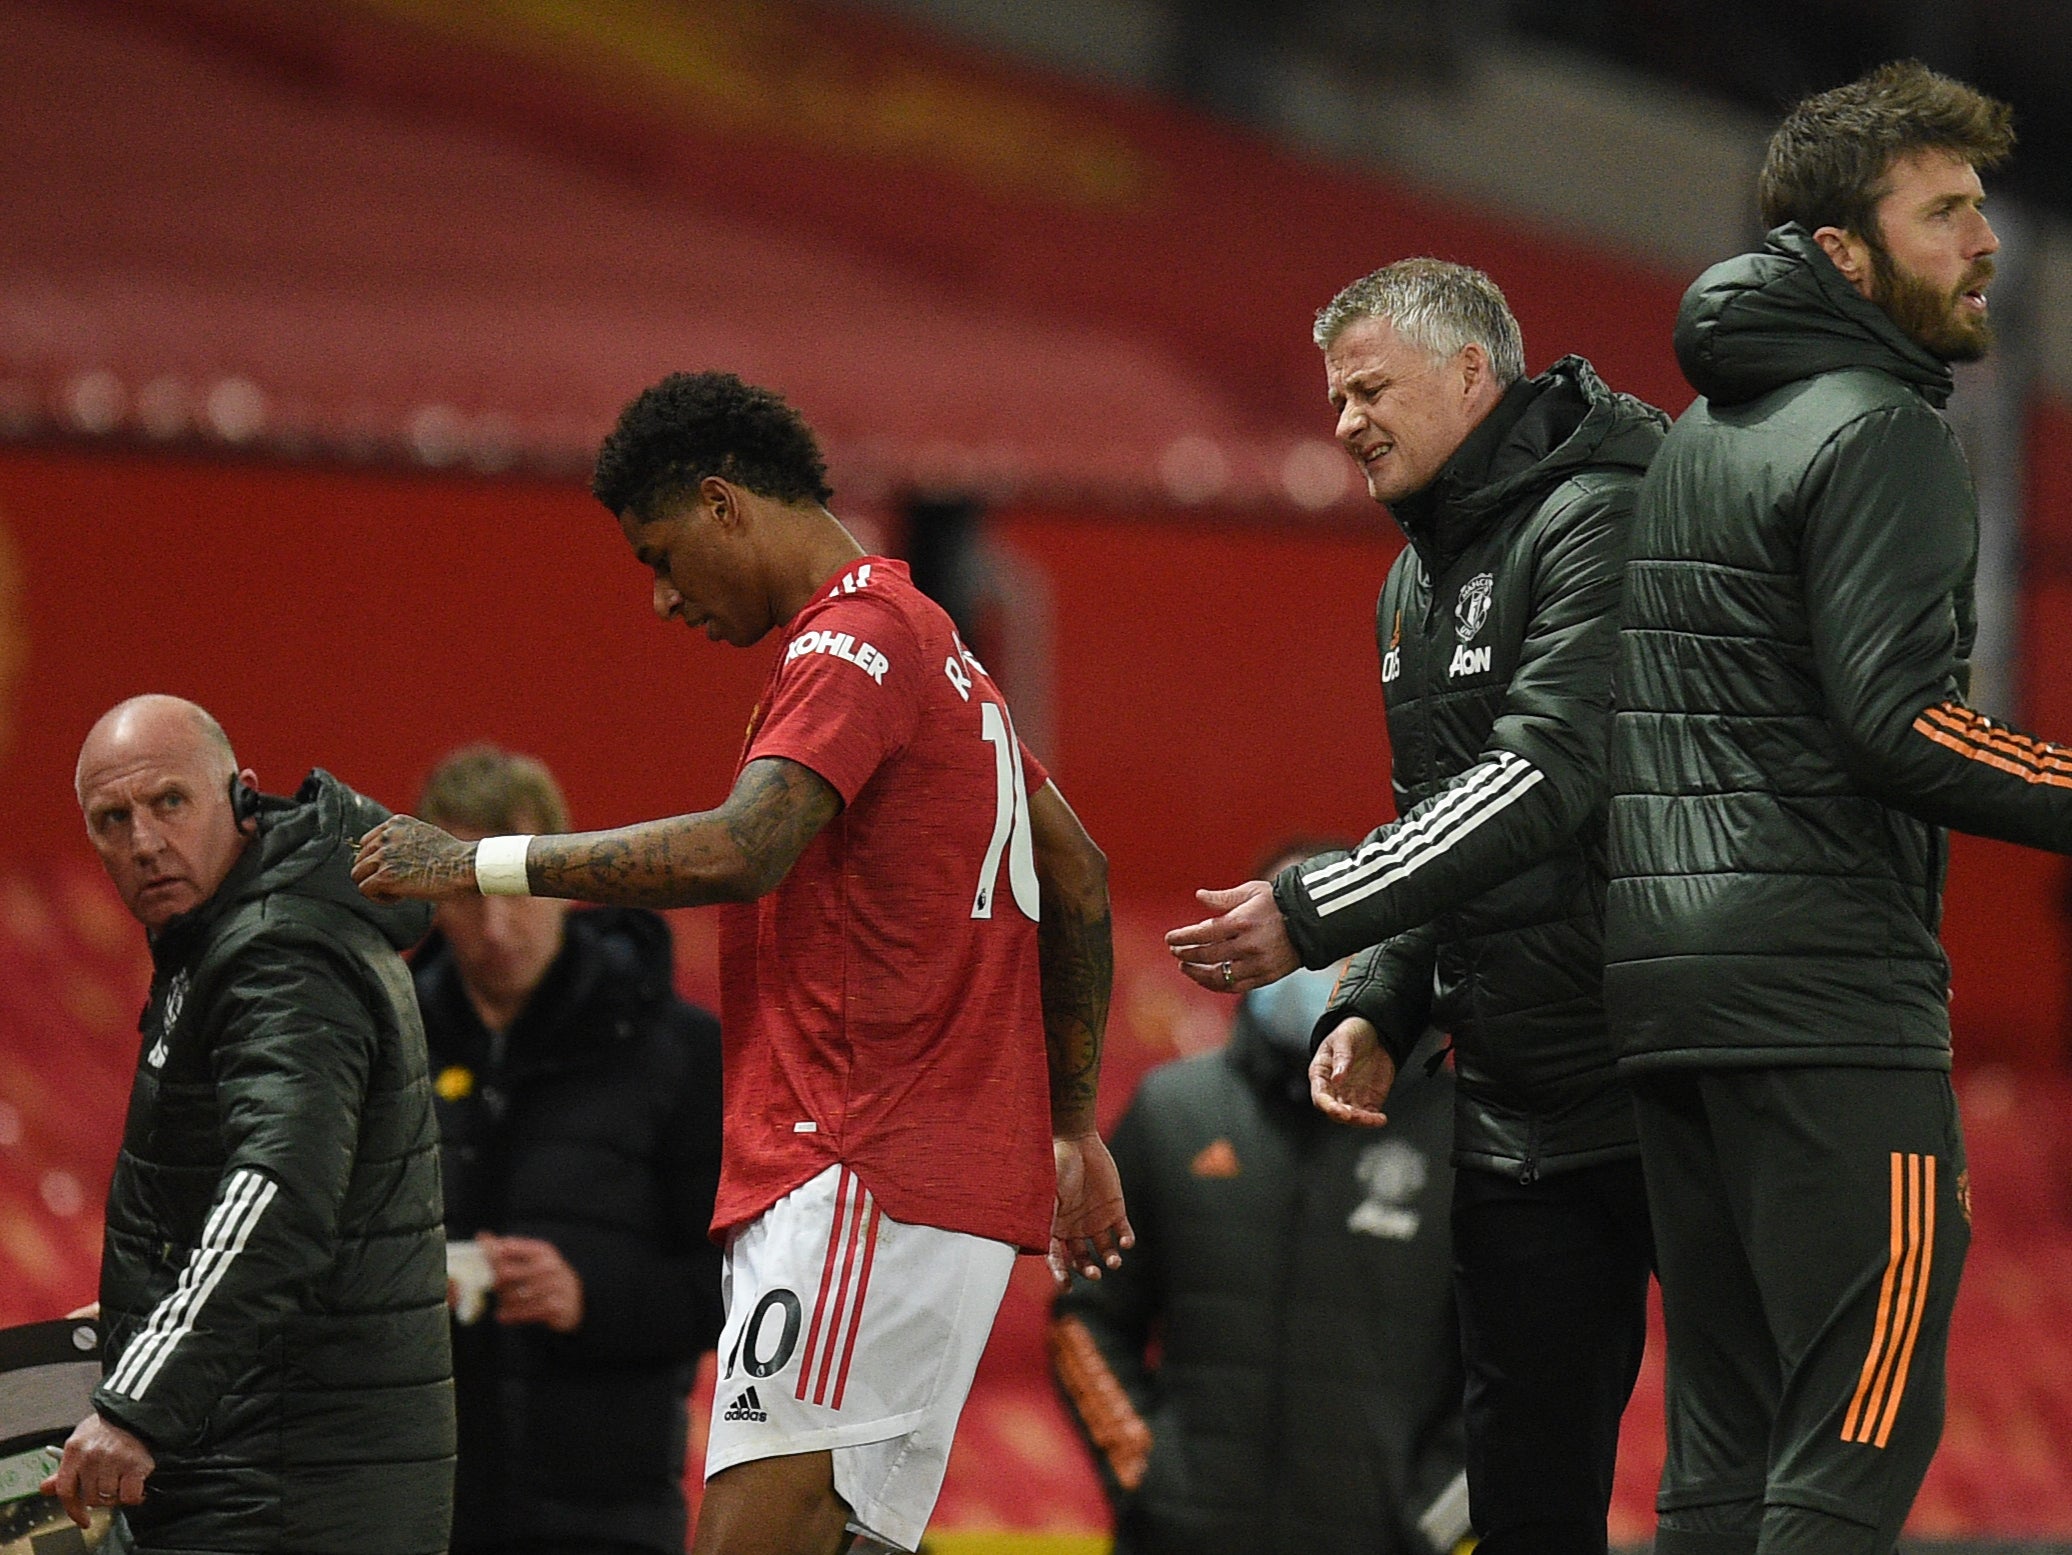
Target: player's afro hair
point(691, 425)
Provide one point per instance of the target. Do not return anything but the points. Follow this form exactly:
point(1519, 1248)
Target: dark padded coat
point(1480, 910)
point(1296, 1276)
point(273, 1278)
point(593, 1123)
point(1792, 735)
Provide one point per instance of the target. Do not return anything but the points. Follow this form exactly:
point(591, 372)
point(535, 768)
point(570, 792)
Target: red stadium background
point(1147, 279)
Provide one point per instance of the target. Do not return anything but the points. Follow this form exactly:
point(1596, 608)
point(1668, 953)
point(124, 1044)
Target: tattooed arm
point(1075, 949)
point(733, 854)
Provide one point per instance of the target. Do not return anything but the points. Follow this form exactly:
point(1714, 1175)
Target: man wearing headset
point(273, 1282)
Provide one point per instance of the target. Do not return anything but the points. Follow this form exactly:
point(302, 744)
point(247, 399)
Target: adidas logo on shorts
point(746, 1406)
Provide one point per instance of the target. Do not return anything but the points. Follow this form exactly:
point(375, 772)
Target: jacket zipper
point(1427, 687)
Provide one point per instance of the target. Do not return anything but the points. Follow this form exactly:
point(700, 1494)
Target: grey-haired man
point(1480, 910)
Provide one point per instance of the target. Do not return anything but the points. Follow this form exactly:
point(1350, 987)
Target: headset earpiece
point(244, 800)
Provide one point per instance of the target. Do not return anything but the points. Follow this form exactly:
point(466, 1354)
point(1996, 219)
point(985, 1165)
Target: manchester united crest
point(1472, 608)
point(175, 1002)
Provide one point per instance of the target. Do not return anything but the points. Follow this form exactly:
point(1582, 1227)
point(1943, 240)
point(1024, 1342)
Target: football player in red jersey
point(915, 962)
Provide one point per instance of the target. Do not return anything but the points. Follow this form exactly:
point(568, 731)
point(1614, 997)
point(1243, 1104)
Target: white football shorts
point(852, 1332)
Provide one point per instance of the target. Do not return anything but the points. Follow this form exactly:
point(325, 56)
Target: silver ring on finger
point(1229, 977)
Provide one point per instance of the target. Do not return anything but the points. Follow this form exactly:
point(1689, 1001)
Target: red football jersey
point(881, 1008)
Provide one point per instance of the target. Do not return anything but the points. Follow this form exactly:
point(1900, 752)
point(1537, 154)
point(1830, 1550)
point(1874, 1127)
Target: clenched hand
point(103, 1465)
point(405, 859)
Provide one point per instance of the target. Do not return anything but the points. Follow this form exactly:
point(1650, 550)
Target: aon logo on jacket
point(1469, 661)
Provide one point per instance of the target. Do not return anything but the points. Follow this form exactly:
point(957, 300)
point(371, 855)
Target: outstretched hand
point(1244, 946)
point(1352, 1074)
point(1091, 1228)
point(405, 859)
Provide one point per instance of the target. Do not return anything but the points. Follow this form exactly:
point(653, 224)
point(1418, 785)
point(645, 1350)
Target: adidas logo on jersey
point(746, 1406)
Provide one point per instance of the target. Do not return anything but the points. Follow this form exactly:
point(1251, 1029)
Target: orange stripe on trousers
point(1926, 1205)
point(1901, 1300)
point(1905, 1303)
point(1892, 1262)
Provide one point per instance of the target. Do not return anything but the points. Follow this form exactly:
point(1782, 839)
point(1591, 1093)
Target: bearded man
point(1790, 741)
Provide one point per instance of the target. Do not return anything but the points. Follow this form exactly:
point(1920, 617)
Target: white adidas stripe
point(1467, 824)
point(170, 1316)
point(229, 1227)
point(1480, 780)
point(165, 1316)
point(1481, 783)
point(1461, 813)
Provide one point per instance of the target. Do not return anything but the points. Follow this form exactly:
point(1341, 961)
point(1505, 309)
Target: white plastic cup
point(467, 1266)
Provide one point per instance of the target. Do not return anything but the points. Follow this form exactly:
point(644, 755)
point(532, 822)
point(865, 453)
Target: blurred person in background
point(916, 960)
point(1792, 738)
point(1480, 909)
point(579, 1108)
point(272, 1278)
point(1276, 1369)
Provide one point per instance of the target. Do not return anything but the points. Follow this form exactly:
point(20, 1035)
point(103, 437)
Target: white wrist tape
point(500, 866)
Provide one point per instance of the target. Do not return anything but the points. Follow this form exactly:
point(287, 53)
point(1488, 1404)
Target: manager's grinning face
point(1402, 411)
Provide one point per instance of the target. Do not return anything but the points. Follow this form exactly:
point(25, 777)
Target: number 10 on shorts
point(761, 1353)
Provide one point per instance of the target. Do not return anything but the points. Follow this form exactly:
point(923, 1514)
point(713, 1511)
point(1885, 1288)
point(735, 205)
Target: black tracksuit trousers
point(1813, 1223)
point(1552, 1279)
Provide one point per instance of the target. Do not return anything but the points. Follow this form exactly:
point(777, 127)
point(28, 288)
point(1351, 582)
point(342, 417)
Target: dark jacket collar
point(1434, 517)
point(1783, 314)
point(304, 847)
point(1542, 431)
point(177, 942)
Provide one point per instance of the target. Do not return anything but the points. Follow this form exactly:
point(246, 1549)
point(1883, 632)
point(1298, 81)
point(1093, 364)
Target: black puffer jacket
point(593, 1123)
point(1792, 735)
point(1480, 909)
point(273, 1277)
point(1296, 1276)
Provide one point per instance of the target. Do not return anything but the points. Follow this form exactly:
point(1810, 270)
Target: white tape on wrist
point(500, 866)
